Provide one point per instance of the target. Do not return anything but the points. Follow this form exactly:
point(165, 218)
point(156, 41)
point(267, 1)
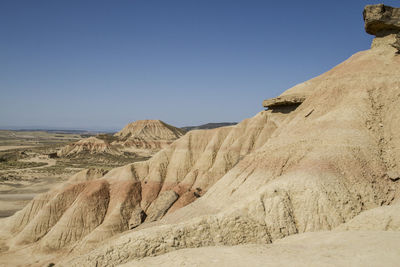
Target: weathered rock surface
point(383, 22)
point(184, 170)
point(385, 218)
point(372, 248)
point(284, 100)
point(160, 205)
point(381, 19)
point(137, 217)
point(312, 173)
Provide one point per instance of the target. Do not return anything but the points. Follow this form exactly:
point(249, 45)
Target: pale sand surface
point(364, 248)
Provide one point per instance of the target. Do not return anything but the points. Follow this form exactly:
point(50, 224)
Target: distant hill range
point(210, 125)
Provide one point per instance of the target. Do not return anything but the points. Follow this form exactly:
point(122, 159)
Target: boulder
point(381, 20)
point(137, 217)
point(394, 176)
point(161, 205)
point(284, 100)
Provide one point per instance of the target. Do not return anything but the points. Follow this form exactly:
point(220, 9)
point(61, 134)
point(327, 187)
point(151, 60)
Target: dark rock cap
point(381, 20)
point(285, 100)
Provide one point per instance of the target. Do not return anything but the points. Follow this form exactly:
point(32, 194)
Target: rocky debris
point(284, 100)
point(385, 218)
point(137, 217)
point(161, 205)
point(383, 22)
point(394, 176)
point(356, 249)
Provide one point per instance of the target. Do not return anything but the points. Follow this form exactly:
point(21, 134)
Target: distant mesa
point(143, 137)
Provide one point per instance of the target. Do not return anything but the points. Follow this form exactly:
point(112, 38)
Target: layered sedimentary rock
point(383, 22)
point(381, 19)
point(285, 100)
point(326, 165)
point(128, 196)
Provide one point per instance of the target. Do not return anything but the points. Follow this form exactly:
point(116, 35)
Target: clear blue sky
point(102, 64)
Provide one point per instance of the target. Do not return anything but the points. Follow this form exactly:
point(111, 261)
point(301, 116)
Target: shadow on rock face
point(285, 109)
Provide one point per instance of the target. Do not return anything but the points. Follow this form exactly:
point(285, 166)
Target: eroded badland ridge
point(144, 138)
point(324, 156)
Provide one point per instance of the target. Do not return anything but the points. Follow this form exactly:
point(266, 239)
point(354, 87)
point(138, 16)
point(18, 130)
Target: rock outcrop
point(383, 22)
point(325, 165)
point(161, 205)
point(381, 19)
point(285, 100)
